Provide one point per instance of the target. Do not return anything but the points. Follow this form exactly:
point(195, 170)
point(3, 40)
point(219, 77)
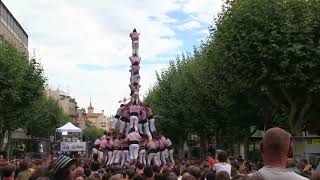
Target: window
point(103, 124)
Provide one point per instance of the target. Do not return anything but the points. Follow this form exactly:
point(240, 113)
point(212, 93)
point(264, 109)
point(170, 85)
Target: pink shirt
point(116, 143)
point(110, 142)
point(135, 88)
point(135, 109)
point(134, 59)
point(104, 137)
point(169, 143)
point(120, 109)
point(151, 145)
point(104, 143)
point(97, 142)
point(149, 112)
point(125, 113)
point(143, 114)
point(157, 144)
point(164, 141)
point(134, 136)
point(134, 36)
point(124, 144)
point(135, 69)
point(161, 145)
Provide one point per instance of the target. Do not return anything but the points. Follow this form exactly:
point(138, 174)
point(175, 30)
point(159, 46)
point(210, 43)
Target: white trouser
point(142, 156)
point(140, 128)
point(135, 79)
point(147, 130)
point(134, 122)
point(152, 125)
point(171, 156)
point(100, 155)
point(166, 153)
point(135, 48)
point(158, 157)
point(125, 157)
point(115, 152)
point(118, 157)
point(135, 97)
point(134, 151)
point(163, 158)
point(153, 157)
point(114, 123)
point(94, 151)
point(127, 128)
point(110, 153)
point(122, 126)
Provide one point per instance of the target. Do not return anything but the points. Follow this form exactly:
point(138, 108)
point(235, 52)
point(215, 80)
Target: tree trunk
point(180, 148)
point(218, 138)
point(203, 148)
point(8, 147)
point(3, 136)
point(247, 141)
point(246, 144)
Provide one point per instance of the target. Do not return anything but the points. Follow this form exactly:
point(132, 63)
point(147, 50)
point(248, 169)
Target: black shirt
point(95, 165)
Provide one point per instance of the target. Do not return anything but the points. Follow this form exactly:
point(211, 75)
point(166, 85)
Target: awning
point(69, 127)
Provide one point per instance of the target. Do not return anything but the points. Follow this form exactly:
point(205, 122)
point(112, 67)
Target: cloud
point(84, 45)
point(91, 67)
point(202, 10)
point(189, 25)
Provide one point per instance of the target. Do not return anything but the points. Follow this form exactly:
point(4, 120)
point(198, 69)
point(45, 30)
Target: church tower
point(90, 108)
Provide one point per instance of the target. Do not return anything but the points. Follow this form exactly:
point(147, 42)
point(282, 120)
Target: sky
point(84, 45)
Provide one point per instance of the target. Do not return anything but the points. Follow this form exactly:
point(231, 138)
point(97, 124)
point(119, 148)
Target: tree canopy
point(22, 100)
point(258, 67)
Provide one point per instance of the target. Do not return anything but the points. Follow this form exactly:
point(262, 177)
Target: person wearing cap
point(64, 168)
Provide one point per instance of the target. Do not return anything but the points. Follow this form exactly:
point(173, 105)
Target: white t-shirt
point(222, 167)
point(270, 173)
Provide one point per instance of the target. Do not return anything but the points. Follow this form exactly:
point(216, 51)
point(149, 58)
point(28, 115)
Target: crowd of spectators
point(275, 150)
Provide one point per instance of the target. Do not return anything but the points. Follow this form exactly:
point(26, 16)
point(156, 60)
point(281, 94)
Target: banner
point(73, 146)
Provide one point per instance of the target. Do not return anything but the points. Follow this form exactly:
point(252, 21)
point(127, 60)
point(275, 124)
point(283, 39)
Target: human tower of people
point(133, 137)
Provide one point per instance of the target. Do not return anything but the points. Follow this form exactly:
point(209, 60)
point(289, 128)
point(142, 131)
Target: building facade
point(11, 31)
point(81, 119)
point(68, 105)
point(78, 116)
point(98, 120)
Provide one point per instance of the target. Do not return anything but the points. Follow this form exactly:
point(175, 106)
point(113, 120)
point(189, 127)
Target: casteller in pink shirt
point(134, 136)
point(134, 36)
point(135, 109)
point(135, 59)
point(143, 113)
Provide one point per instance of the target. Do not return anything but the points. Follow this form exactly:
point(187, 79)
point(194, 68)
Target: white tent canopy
point(69, 127)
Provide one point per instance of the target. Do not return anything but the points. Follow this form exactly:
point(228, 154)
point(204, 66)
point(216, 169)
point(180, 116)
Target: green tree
point(270, 48)
point(21, 84)
point(91, 133)
point(43, 117)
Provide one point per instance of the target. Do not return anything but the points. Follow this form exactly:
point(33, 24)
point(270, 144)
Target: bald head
point(116, 177)
point(196, 172)
point(187, 176)
point(276, 146)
